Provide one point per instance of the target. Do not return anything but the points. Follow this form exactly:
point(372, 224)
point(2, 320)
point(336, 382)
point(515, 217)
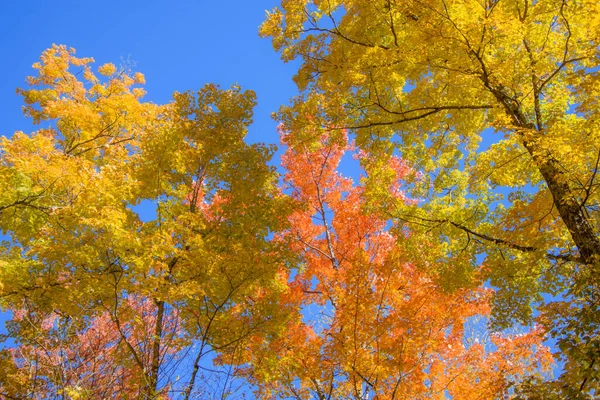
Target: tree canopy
point(471, 238)
point(495, 104)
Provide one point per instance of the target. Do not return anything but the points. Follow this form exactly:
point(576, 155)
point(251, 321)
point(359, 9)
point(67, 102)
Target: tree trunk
point(568, 206)
point(152, 386)
point(565, 201)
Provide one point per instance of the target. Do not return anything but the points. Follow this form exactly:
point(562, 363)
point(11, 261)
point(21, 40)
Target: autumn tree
point(495, 103)
point(77, 252)
point(56, 357)
point(368, 322)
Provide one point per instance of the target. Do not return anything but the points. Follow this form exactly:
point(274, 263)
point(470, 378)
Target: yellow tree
point(496, 104)
point(77, 248)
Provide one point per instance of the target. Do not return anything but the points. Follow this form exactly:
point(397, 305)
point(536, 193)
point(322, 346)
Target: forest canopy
point(463, 262)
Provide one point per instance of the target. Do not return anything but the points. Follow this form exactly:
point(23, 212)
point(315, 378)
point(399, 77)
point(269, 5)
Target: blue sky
point(179, 45)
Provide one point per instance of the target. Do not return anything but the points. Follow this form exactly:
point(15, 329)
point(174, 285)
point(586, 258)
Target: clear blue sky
point(177, 44)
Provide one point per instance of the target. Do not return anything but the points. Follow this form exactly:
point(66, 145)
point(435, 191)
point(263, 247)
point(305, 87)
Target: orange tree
point(366, 321)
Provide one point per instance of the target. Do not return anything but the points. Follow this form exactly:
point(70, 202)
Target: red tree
point(105, 358)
